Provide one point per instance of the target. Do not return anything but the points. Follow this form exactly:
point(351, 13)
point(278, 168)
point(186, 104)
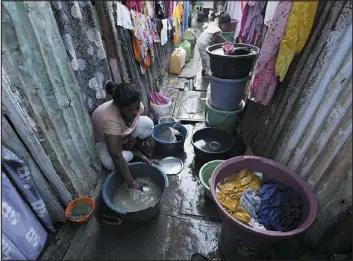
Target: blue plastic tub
point(227, 94)
point(137, 169)
point(169, 148)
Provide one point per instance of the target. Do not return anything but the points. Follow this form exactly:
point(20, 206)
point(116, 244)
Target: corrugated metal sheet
point(45, 93)
point(308, 125)
point(128, 66)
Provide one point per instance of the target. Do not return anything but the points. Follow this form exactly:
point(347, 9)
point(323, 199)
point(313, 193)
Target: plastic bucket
point(229, 36)
point(272, 171)
point(232, 66)
point(205, 174)
point(162, 110)
point(164, 148)
point(226, 94)
point(224, 120)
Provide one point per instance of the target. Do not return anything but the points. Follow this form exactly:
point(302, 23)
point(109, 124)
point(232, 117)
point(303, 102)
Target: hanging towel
point(164, 32)
point(263, 84)
point(270, 11)
point(123, 17)
point(298, 28)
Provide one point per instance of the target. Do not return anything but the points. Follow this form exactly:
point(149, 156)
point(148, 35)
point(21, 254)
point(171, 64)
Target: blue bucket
point(169, 148)
point(137, 169)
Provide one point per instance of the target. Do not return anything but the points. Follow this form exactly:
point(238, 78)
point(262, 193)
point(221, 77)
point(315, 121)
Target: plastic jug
point(187, 47)
point(189, 36)
point(177, 61)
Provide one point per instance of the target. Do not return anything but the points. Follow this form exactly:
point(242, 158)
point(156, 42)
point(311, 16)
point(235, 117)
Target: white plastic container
point(163, 109)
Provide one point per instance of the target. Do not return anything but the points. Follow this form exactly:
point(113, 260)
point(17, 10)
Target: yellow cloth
point(298, 28)
point(177, 15)
point(231, 191)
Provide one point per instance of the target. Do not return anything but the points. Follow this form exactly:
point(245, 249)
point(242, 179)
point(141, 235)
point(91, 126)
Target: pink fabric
point(106, 119)
point(254, 22)
point(243, 19)
point(264, 83)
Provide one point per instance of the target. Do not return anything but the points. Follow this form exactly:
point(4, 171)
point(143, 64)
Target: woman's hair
point(224, 18)
point(124, 94)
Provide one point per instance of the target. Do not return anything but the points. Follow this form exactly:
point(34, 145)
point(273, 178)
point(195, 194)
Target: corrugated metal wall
point(308, 124)
point(43, 100)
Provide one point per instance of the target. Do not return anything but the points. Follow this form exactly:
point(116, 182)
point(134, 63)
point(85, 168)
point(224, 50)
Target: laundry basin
point(272, 172)
point(137, 169)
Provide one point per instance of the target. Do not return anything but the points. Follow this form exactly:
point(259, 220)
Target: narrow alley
point(176, 130)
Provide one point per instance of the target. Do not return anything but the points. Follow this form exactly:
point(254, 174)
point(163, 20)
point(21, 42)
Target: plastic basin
point(164, 148)
point(232, 66)
point(211, 144)
point(205, 174)
point(272, 171)
point(137, 169)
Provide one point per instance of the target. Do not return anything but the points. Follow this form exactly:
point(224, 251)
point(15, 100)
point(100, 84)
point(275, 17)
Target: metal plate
point(171, 165)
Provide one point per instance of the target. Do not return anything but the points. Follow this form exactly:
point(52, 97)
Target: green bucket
point(224, 120)
point(229, 36)
point(205, 174)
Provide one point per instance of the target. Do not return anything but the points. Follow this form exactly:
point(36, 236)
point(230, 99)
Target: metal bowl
point(166, 119)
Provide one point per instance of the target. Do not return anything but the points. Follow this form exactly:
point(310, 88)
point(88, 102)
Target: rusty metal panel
point(308, 124)
point(51, 117)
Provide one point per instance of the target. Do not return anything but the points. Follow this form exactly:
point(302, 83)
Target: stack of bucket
point(229, 75)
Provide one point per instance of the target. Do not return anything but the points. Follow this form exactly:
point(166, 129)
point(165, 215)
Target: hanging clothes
point(177, 16)
point(144, 41)
point(153, 29)
point(270, 11)
point(135, 5)
point(123, 17)
point(254, 20)
point(170, 7)
point(264, 82)
point(298, 28)
point(164, 32)
point(160, 9)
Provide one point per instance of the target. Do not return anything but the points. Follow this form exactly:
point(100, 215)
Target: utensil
point(171, 165)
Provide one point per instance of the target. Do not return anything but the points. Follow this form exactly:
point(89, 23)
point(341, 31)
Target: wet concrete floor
point(187, 221)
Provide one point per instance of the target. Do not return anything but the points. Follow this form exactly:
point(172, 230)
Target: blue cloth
point(280, 208)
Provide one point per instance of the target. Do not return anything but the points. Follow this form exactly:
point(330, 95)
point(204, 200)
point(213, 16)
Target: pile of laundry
point(270, 206)
point(230, 49)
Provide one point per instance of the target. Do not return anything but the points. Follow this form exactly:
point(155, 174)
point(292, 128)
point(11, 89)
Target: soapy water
point(133, 200)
